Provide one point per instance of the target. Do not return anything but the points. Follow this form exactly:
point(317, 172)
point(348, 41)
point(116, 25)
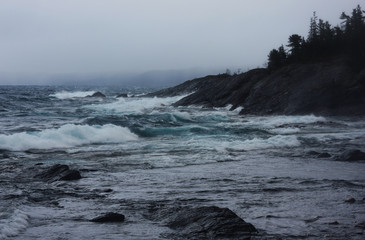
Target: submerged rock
point(109, 217)
point(361, 225)
point(206, 223)
point(97, 94)
point(351, 155)
point(59, 172)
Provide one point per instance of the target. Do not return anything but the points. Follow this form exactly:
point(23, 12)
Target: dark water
point(134, 153)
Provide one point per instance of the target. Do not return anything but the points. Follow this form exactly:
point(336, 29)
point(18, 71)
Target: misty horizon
point(92, 42)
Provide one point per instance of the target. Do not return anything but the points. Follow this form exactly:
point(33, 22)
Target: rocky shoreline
point(327, 88)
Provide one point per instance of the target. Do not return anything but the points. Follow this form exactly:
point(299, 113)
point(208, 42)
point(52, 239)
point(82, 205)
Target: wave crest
point(76, 94)
point(68, 135)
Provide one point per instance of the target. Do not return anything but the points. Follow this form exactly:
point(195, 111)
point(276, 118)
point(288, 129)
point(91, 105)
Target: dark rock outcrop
point(324, 155)
point(59, 172)
point(122, 95)
point(97, 95)
point(350, 200)
point(329, 87)
point(351, 155)
point(109, 217)
point(205, 223)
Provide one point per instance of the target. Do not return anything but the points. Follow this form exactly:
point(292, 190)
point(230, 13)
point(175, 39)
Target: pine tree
point(313, 30)
point(295, 43)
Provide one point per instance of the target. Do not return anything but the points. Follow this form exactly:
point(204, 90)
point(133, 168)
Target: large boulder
point(206, 223)
point(97, 95)
point(59, 172)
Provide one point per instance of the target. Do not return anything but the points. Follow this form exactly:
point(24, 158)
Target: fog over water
point(63, 42)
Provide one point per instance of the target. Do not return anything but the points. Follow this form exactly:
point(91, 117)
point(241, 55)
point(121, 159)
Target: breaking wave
point(67, 95)
point(68, 135)
point(137, 105)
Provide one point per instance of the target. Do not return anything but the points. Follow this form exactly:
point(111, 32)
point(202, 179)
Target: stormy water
point(279, 173)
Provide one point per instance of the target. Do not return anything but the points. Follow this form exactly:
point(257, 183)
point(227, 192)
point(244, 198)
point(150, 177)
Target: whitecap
point(276, 121)
point(68, 135)
point(75, 94)
point(135, 105)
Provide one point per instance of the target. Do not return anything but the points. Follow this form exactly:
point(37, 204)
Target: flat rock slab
point(206, 223)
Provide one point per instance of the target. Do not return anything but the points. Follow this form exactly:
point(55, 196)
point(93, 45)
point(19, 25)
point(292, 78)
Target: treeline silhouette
point(325, 41)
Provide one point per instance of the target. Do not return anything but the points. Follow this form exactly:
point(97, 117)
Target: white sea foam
point(13, 226)
point(272, 142)
point(228, 107)
point(278, 141)
point(76, 94)
point(276, 121)
point(68, 135)
point(285, 130)
point(136, 105)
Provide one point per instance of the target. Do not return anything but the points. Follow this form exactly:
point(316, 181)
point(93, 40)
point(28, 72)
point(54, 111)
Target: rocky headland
point(329, 87)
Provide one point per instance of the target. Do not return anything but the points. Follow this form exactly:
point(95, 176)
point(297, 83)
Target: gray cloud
point(89, 36)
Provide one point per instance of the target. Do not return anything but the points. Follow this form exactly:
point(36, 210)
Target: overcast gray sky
point(111, 36)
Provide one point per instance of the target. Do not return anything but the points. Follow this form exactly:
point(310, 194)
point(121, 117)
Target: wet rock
point(350, 200)
point(324, 155)
point(351, 155)
point(109, 217)
point(122, 95)
point(97, 94)
point(59, 172)
point(71, 175)
point(361, 225)
point(206, 223)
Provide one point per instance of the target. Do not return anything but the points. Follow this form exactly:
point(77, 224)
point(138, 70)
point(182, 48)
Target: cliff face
point(328, 88)
point(325, 88)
